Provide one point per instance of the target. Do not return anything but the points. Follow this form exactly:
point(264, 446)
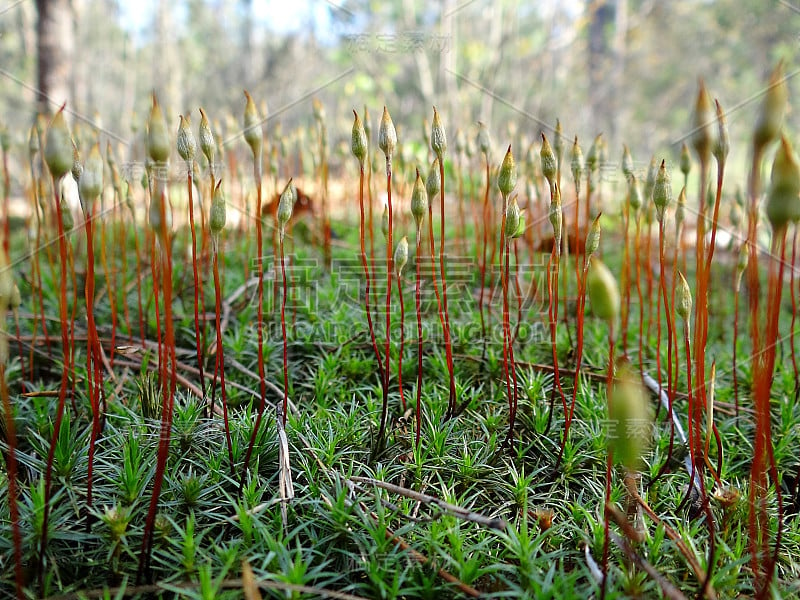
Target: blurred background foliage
point(627, 68)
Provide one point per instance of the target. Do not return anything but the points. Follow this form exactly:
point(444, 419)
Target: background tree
point(55, 50)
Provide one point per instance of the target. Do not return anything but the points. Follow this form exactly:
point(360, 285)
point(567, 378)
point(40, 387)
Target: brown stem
point(387, 311)
point(198, 339)
point(483, 260)
point(452, 405)
point(219, 369)
point(366, 268)
point(285, 340)
point(11, 464)
point(402, 343)
point(609, 463)
point(419, 337)
point(62, 389)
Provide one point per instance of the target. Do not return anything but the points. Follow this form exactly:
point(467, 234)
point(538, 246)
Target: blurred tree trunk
point(618, 104)
point(599, 14)
point(55, 45)
point(167, 72)
point(247, 62)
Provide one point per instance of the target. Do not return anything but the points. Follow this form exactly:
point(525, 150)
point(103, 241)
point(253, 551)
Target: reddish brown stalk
point(36, 272)
point(675, 346)
point(703, 275)
point(699, 396)
point(196, 276)
point(387, 312)
point(609, 464)
point(753, 283)
point(40, 217)
point(462, 219)
point(763, 563)
point(291, 288)
point(262, 378)
point(285, 339)
point(670, 336)
point(626, 277)
point(62, 389)
point(581, 291)
point(510, 367)
point(417, 260)
point(371, 232)
point(122, 294)
point(402, 343)
point(140, 303)
point(366, 268)
point(586, 207)
point(552, 313)
point(475, 208)
point(506, 336)
point(94, 372)
point(168, 381)
point(715, 217)
point(737, 275)
point(794, 305)
point(648, 271)
point(111, 280)
point(11, 465)
point(200, 269)
point(452, 406)
point(698, 461)
point(482, 264)
point(6, 193)
point(434, 273)
point(576, 254)
point(219, 368)
point(73, 313)
point(518, 292)
point(326, 219)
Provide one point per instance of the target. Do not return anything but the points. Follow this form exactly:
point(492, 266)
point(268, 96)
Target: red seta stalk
point(62, 389)
point(196, 276)
point(518, 292)
point(670, 336)
point(360, 150)
point(285, 339)
point(581, 291)
point(509, 364)
point(418, 307)
point(11, 465)
point(452, 406)
point(793, 293)
point(552, 312)
point(486, 227)
point(695, 443)
point(219, 366)
point(648, 272)
point(73, 313)
point(640, 297)
point(506, 180)
point(387, 311)
point(254, 137)
point(137, 249)
point(93, 361)
point(111, 284)
point(284, 213)
point(763, 458)
point(36, 266)
point(167, 363)
point(609, 464)
point(402, 341)
point(626, 277)
point(739, 269)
